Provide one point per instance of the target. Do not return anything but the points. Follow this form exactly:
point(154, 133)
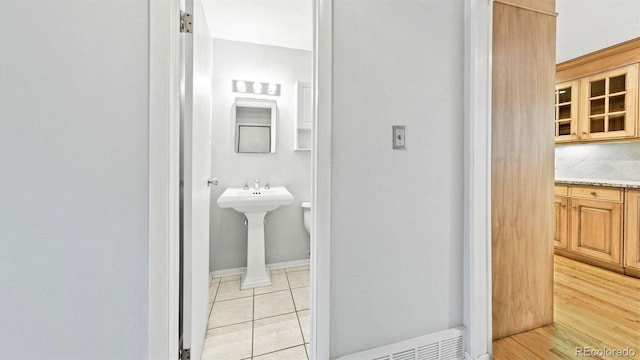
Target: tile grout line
point(214, 301)
point(304, 341)
point(248, 321)
point(277, 351)
point(211, 309)
point(228, 325)
point(253, 320)
point(295, 307)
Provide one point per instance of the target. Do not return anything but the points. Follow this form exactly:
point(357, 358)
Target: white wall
point(584, 26)
point(397, 216)
point(286, 238)
point(73, 179)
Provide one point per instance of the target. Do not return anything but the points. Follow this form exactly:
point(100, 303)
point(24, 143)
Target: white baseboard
point(468, 356)
point(446, 344)
point(274, 266)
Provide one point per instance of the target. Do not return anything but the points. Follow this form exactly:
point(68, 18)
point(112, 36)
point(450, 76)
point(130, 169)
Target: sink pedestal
point(254, 204)
point(256, 274)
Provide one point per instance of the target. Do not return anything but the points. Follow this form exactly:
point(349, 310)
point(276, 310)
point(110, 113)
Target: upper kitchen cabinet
point(609, 104)
point(597, 95)
point(567, 111)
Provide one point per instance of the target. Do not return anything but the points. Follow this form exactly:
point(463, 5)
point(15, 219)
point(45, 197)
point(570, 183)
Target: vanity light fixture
point(256, 87)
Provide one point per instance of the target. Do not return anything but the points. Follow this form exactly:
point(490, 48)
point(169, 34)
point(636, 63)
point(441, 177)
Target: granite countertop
point(630, 184)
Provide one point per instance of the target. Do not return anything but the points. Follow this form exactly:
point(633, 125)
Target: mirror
point(255, 124)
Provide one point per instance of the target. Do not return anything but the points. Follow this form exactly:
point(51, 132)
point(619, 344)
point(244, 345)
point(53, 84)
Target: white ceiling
point(286, 23)
point(585, 26)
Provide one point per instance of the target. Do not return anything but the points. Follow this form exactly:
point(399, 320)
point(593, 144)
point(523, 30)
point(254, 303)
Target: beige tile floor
point(266, 323)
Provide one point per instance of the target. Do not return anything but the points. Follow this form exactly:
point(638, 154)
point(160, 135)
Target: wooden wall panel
point(544, 6)
point(522, 169)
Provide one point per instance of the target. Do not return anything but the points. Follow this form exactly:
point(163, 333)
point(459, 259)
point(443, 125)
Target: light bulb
point(257, 87)
point(241, 86)
point(272, 89)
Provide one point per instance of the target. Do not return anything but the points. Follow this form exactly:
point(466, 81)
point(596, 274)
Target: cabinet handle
point(593, 193)
point(563, 205)
point(573, 134)
point(584, 133)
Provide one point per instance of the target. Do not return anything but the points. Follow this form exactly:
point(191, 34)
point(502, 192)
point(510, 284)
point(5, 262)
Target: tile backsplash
point(607, 161)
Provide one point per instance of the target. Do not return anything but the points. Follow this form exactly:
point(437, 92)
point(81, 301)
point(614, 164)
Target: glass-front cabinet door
point(566, 121)
point(608, 108)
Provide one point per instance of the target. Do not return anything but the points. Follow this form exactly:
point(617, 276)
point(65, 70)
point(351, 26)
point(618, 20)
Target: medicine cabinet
point(304, 116)
point(255, 125)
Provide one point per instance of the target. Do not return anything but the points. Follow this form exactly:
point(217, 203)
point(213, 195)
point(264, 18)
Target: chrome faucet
point(256, 185)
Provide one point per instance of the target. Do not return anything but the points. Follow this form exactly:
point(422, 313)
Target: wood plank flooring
point(593, 308)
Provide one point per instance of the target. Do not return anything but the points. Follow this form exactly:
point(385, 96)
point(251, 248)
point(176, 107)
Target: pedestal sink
point(255, 204)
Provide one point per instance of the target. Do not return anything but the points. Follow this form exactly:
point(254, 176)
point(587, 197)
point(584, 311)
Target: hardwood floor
point(593, 308)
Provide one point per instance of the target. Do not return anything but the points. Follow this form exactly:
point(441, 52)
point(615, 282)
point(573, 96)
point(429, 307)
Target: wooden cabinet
point(561, 233)
point(598, 225)
point(566, 97)
point(632, 233)
point(608, 104)
point(597, 95)
point(596, 229)
point(561, 216)
point(589, 224)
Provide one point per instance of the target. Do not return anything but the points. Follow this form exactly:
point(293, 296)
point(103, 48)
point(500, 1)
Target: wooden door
point(632, 234)
point(561, 233)
point(596, 229)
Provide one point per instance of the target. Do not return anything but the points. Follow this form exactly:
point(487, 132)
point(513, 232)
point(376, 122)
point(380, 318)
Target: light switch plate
point(399, 137)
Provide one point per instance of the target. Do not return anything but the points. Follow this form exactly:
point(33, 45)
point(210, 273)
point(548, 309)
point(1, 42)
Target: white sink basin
point(255, 200)
point(255, 204)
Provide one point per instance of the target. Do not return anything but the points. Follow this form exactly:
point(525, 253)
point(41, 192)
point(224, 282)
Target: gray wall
point(606, 161)
point(285, 236)
point(73, 179)
point(397, 215)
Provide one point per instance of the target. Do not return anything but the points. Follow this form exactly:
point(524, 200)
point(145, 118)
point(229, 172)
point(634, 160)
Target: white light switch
point(399, 137)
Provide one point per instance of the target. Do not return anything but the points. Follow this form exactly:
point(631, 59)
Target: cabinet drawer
point(562, 190)
point(597, 193)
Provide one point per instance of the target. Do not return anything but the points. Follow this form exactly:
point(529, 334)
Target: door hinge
point(185, 354)
point(186, 22)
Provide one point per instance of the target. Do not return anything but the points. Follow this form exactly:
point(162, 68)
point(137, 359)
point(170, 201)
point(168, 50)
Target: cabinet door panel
point(596, 229)
point(608, 104)
point(561, 232)
point(632, 236)
point(566, 119)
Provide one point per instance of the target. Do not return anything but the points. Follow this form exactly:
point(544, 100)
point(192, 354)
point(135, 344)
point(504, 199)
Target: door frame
point(320, 299)
point(164, 79)
point(164, 128)
point(164, 182)
point(477, 305)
